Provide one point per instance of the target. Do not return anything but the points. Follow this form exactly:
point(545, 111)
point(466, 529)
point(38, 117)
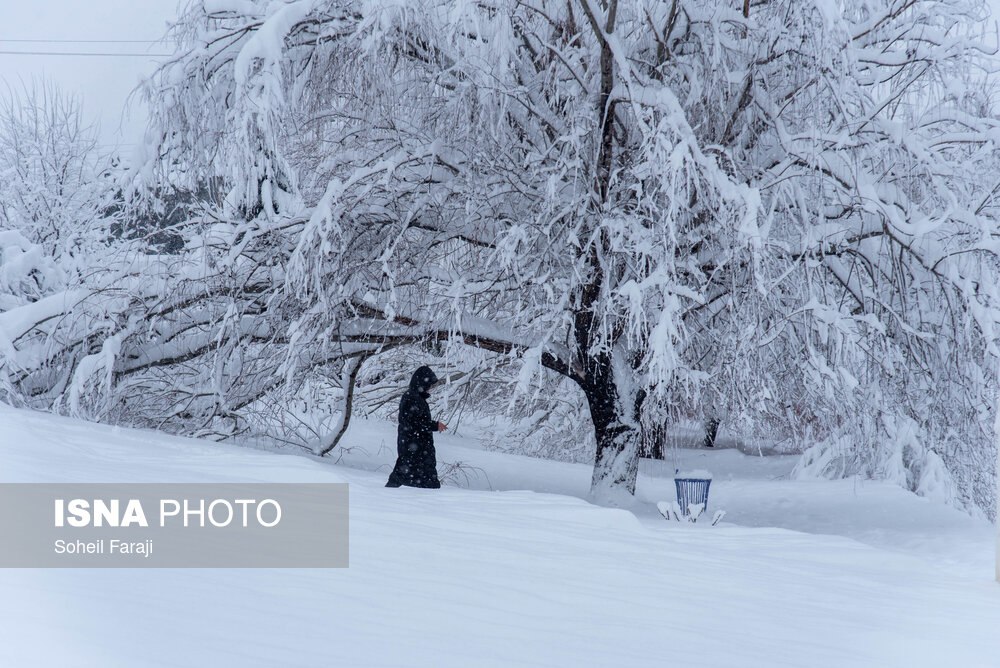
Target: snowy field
point(517, 569)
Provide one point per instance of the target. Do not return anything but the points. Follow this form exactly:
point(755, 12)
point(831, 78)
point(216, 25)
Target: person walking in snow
point(416, 461)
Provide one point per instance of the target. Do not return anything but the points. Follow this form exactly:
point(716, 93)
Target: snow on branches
point(781, 212)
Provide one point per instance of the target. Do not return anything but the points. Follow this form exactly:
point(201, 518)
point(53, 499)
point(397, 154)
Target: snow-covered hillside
point(529, 574)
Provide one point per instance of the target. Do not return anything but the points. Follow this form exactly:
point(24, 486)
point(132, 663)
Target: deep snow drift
point(800, 573)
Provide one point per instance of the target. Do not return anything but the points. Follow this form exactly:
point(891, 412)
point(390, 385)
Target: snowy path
point(462, 577)
point(754, 491)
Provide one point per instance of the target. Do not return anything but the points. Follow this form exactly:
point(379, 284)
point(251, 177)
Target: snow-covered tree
point(580, 182)
point(512, 176)
point(619, 191)
point(870, 134)
point(50, 192)
point(54, 187)
point(53, 181)
point(775, 211)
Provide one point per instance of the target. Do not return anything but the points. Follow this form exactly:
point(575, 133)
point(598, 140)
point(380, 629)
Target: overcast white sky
point(102, 82)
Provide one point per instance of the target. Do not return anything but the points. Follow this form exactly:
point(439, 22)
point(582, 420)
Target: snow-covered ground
point(516, 568)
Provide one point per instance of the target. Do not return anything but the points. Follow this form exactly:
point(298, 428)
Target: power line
point(83, 53)
point(84, 41)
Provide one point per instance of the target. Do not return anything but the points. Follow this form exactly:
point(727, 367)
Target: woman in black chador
point(416, 462)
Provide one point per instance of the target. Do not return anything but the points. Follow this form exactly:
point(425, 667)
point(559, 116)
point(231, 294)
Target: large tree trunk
point(608, 384)
point(616, 462)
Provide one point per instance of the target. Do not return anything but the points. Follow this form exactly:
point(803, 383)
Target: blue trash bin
point(691, 492)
